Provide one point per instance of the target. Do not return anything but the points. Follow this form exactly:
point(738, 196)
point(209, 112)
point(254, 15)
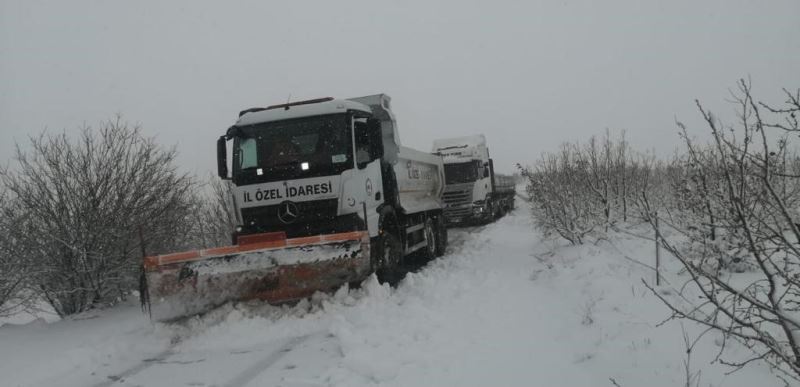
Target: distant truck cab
point(473, 192)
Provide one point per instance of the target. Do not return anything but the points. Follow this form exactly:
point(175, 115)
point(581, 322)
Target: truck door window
point(363, 146)
point(483, 169)
point(248, 157)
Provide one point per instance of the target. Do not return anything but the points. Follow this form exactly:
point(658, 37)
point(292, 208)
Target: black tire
point(390, 251)
point(432, 238)
point(388, 240)
point(503, 209)
point(490, 214)
point(441, 241)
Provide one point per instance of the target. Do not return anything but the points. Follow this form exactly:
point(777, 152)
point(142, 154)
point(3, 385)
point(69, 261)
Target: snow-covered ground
point(502, 308)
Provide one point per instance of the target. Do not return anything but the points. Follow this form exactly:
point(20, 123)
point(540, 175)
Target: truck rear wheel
point(441, 230)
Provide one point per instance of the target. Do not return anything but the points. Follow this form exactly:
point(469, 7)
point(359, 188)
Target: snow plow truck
point(325, 195)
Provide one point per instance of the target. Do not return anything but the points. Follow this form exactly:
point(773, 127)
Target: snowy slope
point(501, 308)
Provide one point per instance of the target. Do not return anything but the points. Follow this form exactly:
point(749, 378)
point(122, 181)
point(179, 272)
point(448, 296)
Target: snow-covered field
point(502, 308)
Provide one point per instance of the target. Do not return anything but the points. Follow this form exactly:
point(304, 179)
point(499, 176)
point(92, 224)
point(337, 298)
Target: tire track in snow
point(159, 358)
point(240, 380)
point(262, 365)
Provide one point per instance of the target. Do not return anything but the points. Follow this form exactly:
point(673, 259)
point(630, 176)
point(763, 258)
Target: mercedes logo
point(288, 212)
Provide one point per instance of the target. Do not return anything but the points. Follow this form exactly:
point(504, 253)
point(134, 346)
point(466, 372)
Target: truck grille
point(458, 200)
point(314, 218)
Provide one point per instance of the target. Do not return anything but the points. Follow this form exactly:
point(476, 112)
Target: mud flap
point(279, 271)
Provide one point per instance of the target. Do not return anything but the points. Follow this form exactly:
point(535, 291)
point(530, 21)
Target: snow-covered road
point(471, 318)
point(487, 314)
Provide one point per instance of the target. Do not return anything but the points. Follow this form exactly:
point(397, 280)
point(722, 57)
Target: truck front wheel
point(391, 250)
point(390, 253)
point(489, 216)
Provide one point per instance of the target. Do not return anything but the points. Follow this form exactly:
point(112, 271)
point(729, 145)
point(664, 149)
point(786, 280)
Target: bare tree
point(623, 167)
point(726, 207)
point(561, 204)
point(214, 215)
point(745, 190)
point(586, 188)
point(595, 163)
point(85, 202)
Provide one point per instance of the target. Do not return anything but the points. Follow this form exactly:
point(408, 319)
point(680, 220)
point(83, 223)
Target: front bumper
point(465, 213)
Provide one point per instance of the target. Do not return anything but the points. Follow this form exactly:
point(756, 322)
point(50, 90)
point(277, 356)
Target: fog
point(529, 75)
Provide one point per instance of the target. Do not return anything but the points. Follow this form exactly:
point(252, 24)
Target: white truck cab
point(472, 192)
point(327, 166)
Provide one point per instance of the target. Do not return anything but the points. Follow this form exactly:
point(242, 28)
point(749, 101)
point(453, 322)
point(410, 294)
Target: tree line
point(728, 210)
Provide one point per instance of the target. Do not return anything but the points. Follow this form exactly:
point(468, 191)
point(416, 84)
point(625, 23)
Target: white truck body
point(325, 195)
point(419, 175)
point(472, 190)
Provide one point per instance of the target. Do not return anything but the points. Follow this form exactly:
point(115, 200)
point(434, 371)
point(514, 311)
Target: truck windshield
point(298, 148)
point(460, 173)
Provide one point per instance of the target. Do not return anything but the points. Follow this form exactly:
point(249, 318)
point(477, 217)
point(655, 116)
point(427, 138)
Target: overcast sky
point(528, 74)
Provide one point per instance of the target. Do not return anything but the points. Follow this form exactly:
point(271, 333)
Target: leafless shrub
point(13, 263)
point(214, 216)
point(600, 168)
point(587, 188)
point(728, 207)
point(85, 202)
point(742, 195)
point(555, 189)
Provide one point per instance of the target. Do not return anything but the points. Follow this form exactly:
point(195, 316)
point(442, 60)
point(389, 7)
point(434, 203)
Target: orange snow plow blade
point(262, 266)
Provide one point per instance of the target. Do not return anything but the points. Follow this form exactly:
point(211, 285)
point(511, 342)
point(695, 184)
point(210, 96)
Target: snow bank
point(77, 350)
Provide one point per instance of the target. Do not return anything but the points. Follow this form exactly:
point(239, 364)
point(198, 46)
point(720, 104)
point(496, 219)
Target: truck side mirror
point(222, 158)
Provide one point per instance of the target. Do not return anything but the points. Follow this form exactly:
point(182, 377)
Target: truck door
point(369, 150)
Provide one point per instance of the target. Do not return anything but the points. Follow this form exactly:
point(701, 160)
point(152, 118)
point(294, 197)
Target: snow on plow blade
point(263, 266)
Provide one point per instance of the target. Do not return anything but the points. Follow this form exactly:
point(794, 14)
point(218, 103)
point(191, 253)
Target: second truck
point(325, 195)
point(474, 193)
